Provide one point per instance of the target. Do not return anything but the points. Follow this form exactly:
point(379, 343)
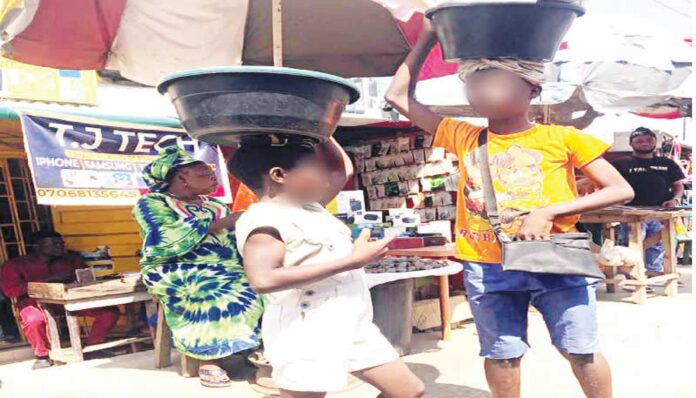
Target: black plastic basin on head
point(532, 31)
point(223, 105)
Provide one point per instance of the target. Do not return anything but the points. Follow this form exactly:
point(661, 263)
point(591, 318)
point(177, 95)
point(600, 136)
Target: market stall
point(80, 175)
point(635, 217)
point(61, 300)
point(406, 188)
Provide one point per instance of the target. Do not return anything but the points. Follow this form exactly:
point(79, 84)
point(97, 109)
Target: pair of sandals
point(218, 378)
point(214, 378)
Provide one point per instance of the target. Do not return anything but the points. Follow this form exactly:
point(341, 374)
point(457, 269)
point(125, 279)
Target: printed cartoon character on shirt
point(519, 181)
point(473, 192)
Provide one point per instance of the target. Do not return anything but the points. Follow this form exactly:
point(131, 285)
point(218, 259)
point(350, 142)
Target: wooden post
point(189, 366)
point(669, 245)
point(163, 349)
point(277, 32)
point(635, 243)
point(445, 307)
point(74, 330)
point(150, 311)
point(132, 318)
point(609, 271)
point(53, 331)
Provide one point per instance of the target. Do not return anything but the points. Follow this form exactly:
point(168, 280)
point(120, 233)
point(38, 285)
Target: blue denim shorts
point(500, 301)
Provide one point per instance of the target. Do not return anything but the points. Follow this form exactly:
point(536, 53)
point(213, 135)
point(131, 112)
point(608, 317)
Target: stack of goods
point(405, 264)
point(407, 173)
point(99, 260)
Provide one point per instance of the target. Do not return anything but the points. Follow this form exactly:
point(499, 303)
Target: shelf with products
point(406, 172)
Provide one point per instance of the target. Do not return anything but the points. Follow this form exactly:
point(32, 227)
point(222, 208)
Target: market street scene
point(346, 198)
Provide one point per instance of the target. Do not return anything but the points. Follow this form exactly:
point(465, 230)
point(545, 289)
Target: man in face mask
point(657, 181)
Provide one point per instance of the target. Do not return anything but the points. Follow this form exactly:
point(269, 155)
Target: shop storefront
point(90, 205)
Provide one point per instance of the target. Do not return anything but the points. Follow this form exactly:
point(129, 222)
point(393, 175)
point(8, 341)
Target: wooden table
point(440, 253)
point(71, 298)
point(634, 217)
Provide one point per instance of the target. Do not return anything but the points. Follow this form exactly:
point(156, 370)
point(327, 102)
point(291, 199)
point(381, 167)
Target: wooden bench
point(163, 345)
point(72, 298)
point(635, 217)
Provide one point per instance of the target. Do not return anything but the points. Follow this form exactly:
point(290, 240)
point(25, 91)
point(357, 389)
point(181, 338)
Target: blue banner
point(79, 161)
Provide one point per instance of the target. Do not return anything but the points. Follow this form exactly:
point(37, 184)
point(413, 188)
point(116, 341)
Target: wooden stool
point(18, 320)
point(163, 348)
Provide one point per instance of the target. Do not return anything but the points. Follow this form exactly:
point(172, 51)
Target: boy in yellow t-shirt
point(533, 171)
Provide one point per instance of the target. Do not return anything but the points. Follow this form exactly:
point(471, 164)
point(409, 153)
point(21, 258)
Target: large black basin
point(532, 31)
point(223, 105)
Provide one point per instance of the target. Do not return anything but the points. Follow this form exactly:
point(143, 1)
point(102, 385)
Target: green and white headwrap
point(155, 174)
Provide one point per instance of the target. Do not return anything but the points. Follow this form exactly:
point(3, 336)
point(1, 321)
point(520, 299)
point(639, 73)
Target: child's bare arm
point(613, 189)
point(339, 165)
point(401, 91)
point(264, 252)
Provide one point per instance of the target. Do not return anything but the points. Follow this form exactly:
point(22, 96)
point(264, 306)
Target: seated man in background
point(48, 262)
point(658, 182)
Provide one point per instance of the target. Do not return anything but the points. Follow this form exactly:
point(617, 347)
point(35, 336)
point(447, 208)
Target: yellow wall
point(85, 228)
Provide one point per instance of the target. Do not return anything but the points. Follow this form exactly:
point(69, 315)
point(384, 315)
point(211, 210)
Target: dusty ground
point(649, 347)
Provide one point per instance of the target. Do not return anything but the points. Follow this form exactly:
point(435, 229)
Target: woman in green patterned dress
point(191, 265)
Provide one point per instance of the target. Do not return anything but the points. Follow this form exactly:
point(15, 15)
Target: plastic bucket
point(532, 31)
point(222, 105)
point(392, 305)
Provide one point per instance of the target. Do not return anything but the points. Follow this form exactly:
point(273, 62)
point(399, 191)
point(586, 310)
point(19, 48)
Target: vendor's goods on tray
point(116, 284)
point(405, 264)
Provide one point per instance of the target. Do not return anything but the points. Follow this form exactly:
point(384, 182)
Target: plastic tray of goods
point(405, 264)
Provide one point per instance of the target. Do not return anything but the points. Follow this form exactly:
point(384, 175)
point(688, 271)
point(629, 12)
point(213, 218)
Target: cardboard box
point(349, 202)
point(443, 228)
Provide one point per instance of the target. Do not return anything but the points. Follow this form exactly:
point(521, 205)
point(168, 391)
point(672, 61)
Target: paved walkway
point(650, 348)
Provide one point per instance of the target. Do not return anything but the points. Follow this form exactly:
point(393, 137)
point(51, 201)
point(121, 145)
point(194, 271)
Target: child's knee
point(580, 359)
point(415, 388)
point(419, 390)
point(508, 363)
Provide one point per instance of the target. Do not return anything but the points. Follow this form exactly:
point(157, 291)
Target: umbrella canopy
point(144, 40)
point(626, 72)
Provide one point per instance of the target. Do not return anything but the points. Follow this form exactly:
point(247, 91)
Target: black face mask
point(645, 152)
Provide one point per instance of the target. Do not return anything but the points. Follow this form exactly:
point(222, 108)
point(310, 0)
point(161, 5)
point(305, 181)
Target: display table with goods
point(635, 217)
point(392, 281)
point(411, 185)
point(61, 300)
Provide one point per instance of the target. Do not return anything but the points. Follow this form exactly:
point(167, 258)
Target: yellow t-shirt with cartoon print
point(530, 170)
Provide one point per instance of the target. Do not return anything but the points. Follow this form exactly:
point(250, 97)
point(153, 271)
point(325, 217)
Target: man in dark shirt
point(657, 181)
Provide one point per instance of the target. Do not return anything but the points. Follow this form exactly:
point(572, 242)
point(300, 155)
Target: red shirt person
point(49, 262)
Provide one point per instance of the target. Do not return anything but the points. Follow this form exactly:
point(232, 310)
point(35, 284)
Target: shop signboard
point(36, 83)
point(79, 161)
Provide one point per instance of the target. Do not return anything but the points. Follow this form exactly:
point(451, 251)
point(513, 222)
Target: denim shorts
point(500, 301)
